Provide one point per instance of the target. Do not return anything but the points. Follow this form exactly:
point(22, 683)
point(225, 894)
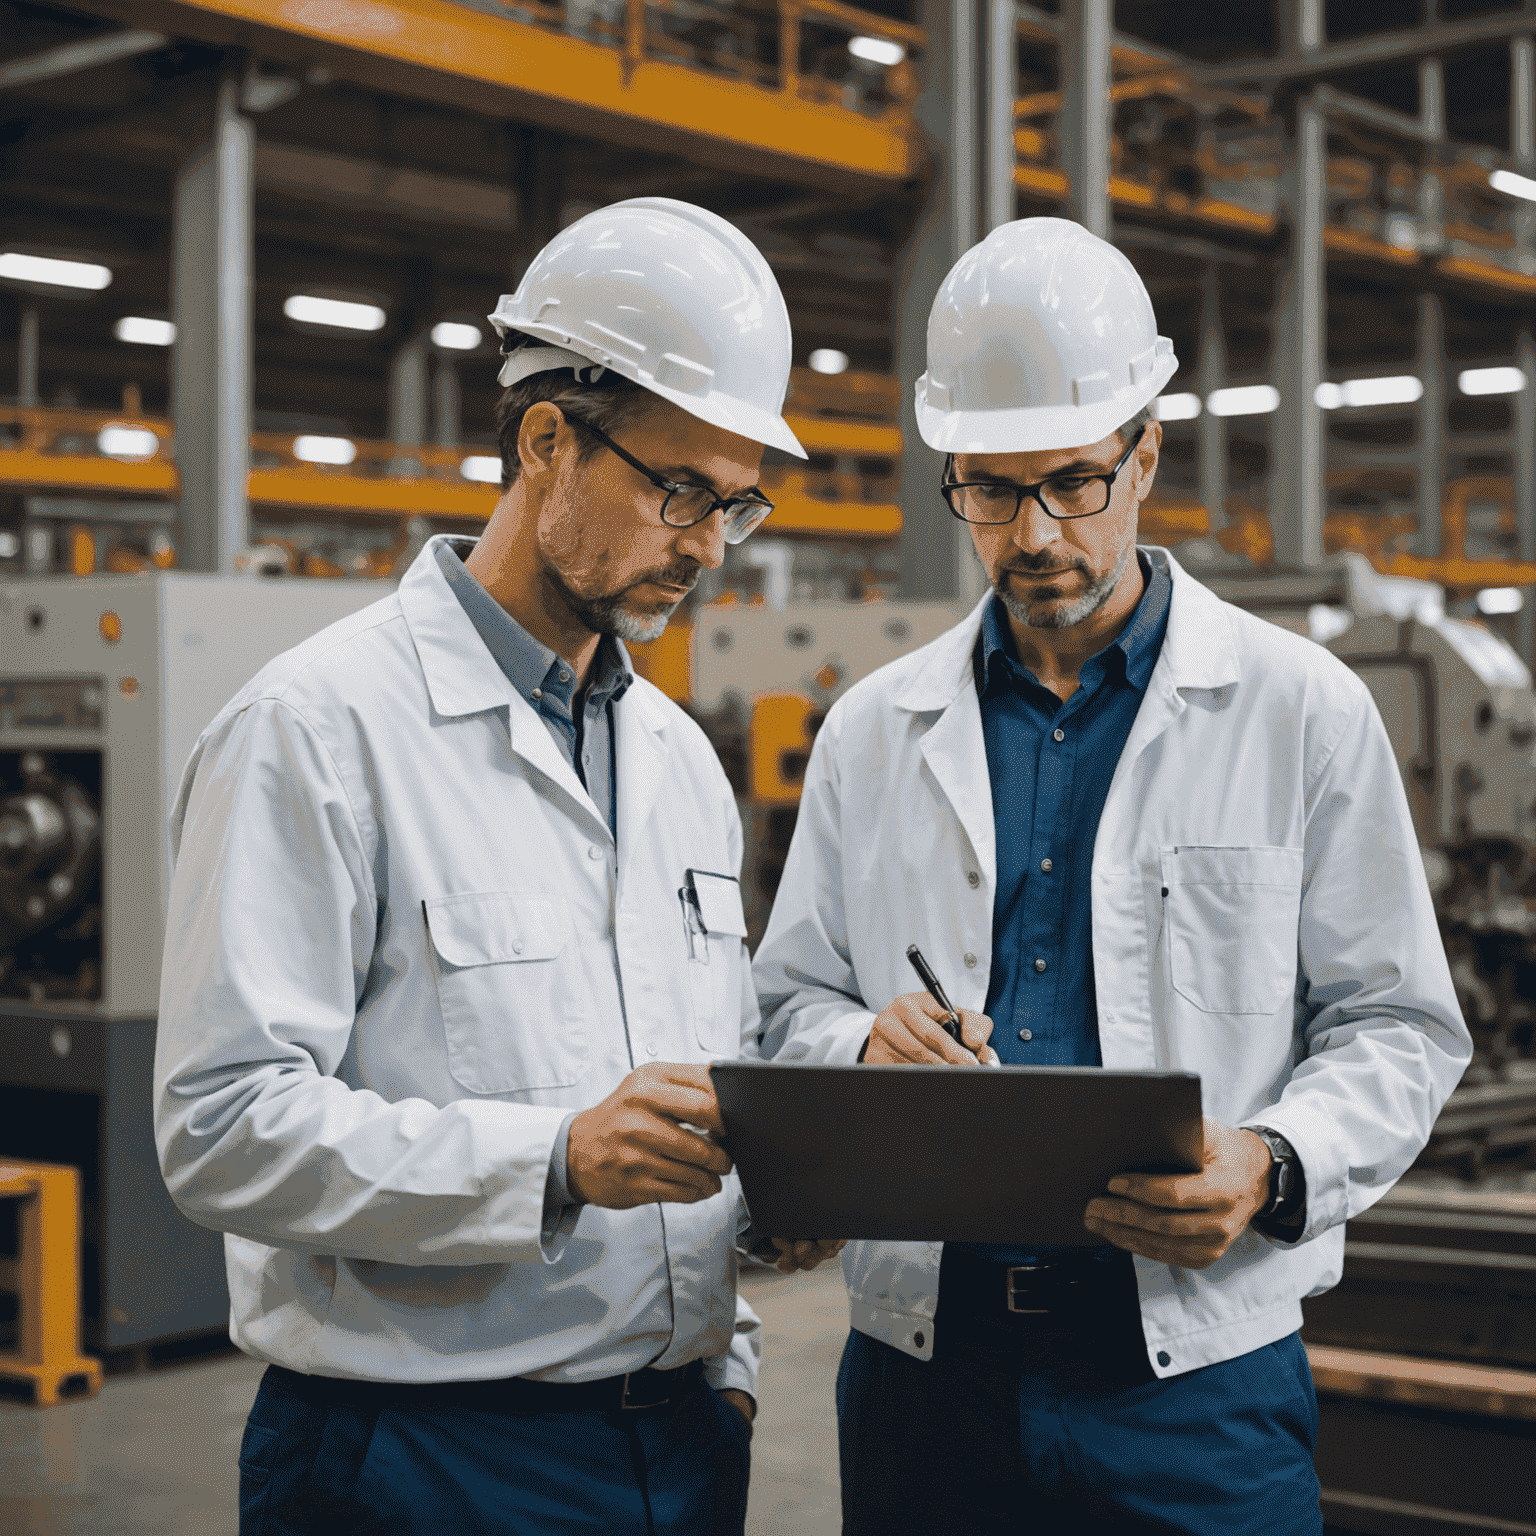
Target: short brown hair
point(608, 403)
point(1129, 429)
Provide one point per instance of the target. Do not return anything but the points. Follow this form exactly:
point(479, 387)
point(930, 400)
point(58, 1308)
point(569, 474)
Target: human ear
point(538, 439)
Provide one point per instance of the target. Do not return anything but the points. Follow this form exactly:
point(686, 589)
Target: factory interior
point(247, 251)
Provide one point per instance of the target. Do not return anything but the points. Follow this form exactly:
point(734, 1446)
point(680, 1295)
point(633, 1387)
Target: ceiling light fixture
point(454, 337)
point(828, 360)
point(144, 332)
point(1245, 400)
point(1176, 407)
point(324, 450)
point(339, 314)
point(877, 50)
point(1490, 381)
point(53, 271)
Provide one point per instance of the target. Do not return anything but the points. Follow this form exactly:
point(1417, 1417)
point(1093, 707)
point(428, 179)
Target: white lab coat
point(397, 935)
point(1260, 916)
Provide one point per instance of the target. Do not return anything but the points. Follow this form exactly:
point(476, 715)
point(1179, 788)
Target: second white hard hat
point(669, 296)
point(1041, 337)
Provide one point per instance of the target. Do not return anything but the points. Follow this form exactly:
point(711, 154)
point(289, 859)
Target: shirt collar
point(1137, 644)
point(529, 665)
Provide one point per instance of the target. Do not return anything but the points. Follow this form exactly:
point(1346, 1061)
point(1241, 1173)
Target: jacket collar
point(1199, 648)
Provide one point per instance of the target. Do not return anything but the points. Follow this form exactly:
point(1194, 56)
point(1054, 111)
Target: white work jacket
point(1260, 916)
point(398, 933)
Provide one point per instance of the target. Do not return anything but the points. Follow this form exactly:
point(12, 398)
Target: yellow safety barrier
point(47, 1283)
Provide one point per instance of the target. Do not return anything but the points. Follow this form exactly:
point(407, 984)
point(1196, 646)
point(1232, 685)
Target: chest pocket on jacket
point(510, 987)
point(1229, 920)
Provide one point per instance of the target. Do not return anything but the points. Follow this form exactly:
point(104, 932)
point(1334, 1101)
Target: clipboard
point(947, 1154)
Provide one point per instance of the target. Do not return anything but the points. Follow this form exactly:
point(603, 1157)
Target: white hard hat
point(669, 296)
point(1041, 337)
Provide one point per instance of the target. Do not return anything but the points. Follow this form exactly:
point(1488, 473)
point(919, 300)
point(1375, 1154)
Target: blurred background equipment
point(105, 684)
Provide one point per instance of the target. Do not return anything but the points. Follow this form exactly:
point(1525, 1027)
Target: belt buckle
point(624, 1398)
point(1016, 1289)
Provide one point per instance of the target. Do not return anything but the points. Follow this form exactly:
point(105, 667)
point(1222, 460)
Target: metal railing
point(796, 47)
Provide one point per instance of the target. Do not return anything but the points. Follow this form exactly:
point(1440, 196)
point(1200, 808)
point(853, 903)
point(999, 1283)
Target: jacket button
point(1058, 734)
point(970, 962)
point(1039, 965)
point(919, 1339)
point(1026, 1034)
point(973, 879)
point(1163, 1357)
point(1045, 866)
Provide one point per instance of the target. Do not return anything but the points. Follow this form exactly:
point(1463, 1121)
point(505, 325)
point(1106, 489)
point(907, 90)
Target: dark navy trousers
point(343, 1460)
point(993, 1435)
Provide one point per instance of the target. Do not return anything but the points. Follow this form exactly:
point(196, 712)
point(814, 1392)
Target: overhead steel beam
point(1384, 48)
point(71, 58)
point(1002, 74)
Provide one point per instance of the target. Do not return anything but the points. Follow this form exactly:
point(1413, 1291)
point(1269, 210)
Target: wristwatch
point(1286, 1188)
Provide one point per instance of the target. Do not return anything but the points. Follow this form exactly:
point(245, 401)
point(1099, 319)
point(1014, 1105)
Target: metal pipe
point(963, 82)
point(1002, 89)
point(1086, 111)
point(1431, 447)
point(1524, 456)
point(235, 149)
point(1210, 429)
point(26, 360)
point(1296, 441)
point(70, 58)
point(445, 398)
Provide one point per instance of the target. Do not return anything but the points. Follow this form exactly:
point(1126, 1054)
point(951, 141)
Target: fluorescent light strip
point(1515, 186)
point(144, 332)
point(117, 440)
point(1245, 400)
point(324, 450)
point(1176, 407)
point(1490, 381)
point(340, 314)
point(1399, 389)
point(828, 360)
point(455, 337)
point(1500, 600)
point(481, 467)
point(53, 271)
point(877, 50)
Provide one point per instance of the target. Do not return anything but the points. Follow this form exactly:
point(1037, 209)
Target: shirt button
point(1026, 1034)
point(594, 852)
point(970, 962)
point(1163, 1357)
point(973, 879)
point(565, 677)
point(517, 946)
point(1045, 866)
point(538, 693)
point(1039, 965)
point(1058, 734)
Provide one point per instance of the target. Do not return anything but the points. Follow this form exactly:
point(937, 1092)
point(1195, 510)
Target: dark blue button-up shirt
point(581, 728)
point(1050, 762)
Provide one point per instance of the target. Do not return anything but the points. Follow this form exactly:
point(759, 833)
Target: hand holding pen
point(925, 1028)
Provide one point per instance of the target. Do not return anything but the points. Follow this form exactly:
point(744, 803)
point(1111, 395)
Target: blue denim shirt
point(1047, 797)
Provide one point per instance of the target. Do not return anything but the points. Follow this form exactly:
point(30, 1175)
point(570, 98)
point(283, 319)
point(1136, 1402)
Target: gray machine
point(105, 684)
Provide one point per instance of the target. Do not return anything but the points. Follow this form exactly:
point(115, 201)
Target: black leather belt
point(1060, 1291)
point(631, 1393)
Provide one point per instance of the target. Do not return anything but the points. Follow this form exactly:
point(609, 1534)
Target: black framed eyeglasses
point(1061, 496)
point(684, 505)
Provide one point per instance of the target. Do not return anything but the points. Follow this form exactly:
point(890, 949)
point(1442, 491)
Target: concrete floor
point(154, 1454)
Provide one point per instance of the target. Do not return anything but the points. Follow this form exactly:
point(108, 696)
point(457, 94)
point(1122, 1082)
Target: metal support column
point(26, 361)
point(1431, 447)
point(1296, 500)
point(1210, 429)
point(1002, 56)
point(408, 404)
point(938, 561)
point(445, 403)
point(1522, 143)
point(211, 365)
point(1086, 29)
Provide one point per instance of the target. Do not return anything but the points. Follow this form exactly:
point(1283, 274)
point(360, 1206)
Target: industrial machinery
point(105, 684)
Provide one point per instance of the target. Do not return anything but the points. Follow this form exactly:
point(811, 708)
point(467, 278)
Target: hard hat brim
point(1036, 428)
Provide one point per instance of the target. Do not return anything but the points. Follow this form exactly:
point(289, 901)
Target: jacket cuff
point(1324, 1170)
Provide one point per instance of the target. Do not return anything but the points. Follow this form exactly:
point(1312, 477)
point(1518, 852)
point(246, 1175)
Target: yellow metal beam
point(449, 52)
point(317, 491)
point(867, 439)
point(841, 519)
point(26, 469)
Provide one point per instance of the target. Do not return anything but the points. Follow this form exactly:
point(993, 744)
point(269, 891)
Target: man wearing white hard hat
point(1134, 827)
point(454, 930)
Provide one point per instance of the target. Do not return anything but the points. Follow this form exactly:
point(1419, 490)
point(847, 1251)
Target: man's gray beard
point(1074, 612)
point(607, 615)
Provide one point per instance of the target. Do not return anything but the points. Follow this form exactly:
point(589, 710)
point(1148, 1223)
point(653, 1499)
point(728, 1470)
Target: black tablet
point(947, 1154)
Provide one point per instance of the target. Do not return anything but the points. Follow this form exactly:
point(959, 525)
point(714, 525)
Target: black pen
point(936, 992)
